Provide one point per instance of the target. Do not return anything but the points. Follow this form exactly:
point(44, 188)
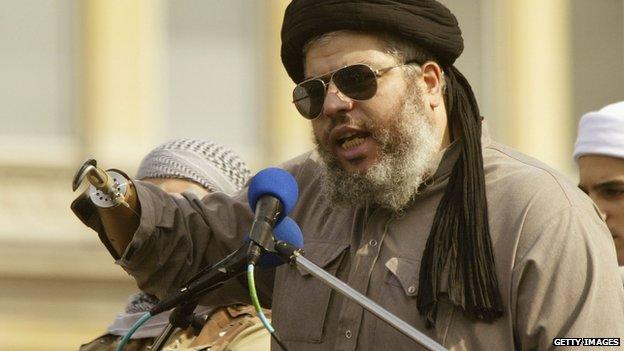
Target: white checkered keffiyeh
point(205, 162)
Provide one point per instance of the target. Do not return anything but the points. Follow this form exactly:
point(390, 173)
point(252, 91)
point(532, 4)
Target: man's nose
point(336, 103)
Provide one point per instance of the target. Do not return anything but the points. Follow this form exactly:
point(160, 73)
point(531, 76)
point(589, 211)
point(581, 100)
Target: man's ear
point(433, 78)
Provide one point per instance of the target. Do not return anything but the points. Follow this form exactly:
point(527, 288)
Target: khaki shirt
point(555, 260)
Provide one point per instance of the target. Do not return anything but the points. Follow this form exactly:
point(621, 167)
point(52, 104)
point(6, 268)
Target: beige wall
point(597, 54)
point(112, 78)
point(58, 286)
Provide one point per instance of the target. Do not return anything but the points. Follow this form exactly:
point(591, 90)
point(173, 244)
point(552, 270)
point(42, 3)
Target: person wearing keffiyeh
point(405, 198)
point(200, 167)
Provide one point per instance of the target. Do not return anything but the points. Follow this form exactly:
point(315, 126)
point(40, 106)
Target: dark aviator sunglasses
point(358, 82)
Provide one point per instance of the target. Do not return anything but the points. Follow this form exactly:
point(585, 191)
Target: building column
point(527, 74)
point(288, 133)
point(539, 67)
point(123, 79)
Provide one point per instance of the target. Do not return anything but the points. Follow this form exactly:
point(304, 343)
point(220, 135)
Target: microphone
point(287, 231)
point(231, 266)
point(272, 194)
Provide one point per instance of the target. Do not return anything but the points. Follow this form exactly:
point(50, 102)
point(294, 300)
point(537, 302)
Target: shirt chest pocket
point(300, 301)
point(403, 273)
point(399, 295)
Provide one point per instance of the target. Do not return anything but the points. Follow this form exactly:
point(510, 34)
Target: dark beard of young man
point(407, 149)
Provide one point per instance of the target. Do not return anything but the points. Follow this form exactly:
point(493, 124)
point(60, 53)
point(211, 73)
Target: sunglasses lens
point(309, 97)
point(357, 82)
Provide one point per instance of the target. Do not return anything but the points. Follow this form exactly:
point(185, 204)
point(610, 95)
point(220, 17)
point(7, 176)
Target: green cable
point(126, 338)
point(255, 301)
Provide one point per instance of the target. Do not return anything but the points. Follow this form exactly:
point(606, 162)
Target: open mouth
point(352, 140)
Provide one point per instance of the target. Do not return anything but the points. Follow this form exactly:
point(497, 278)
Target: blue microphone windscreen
point(275, 182)
point(287, 230)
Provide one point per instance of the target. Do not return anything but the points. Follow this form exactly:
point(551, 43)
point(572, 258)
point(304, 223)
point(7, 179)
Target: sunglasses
point(358, 82)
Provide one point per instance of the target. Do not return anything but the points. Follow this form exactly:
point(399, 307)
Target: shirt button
point(372, 243)
point(348, 334)
point(411, 289)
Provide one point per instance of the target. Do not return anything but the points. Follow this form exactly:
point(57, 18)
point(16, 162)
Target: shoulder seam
point(492, 146)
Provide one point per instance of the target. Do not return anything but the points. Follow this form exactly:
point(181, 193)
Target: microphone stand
point(162, 339)
point(185, 300)
point(181, 318)
point(295, 256)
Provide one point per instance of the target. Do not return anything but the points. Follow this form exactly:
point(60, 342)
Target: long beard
point(407, 149)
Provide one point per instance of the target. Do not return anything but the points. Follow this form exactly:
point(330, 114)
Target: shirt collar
point(447, 158)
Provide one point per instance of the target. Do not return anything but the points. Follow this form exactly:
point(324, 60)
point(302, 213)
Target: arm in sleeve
point(180, 234)
point(566, 283)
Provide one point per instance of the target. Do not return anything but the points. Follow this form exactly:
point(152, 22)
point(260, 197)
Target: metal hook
point(99, 179)
point(87, 167)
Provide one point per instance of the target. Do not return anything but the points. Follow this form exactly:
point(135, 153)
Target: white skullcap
point(601, 132)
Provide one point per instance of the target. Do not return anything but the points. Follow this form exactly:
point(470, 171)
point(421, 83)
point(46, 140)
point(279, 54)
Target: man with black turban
point(406, 199)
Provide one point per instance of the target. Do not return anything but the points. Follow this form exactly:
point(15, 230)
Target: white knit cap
point(601, 132)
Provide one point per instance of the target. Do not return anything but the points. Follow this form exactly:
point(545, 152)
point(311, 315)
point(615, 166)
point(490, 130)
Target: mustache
point(366, 123)
point(347, 119)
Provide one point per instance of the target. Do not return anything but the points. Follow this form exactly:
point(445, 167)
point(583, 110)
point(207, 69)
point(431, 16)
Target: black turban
point(459, 244)
point(425, 22)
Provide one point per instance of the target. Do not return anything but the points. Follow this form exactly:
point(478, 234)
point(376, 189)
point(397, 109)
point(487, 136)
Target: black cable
point(278, 341)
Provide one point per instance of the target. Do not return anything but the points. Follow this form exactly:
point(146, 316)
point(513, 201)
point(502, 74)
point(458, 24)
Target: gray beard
point(407, 150)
